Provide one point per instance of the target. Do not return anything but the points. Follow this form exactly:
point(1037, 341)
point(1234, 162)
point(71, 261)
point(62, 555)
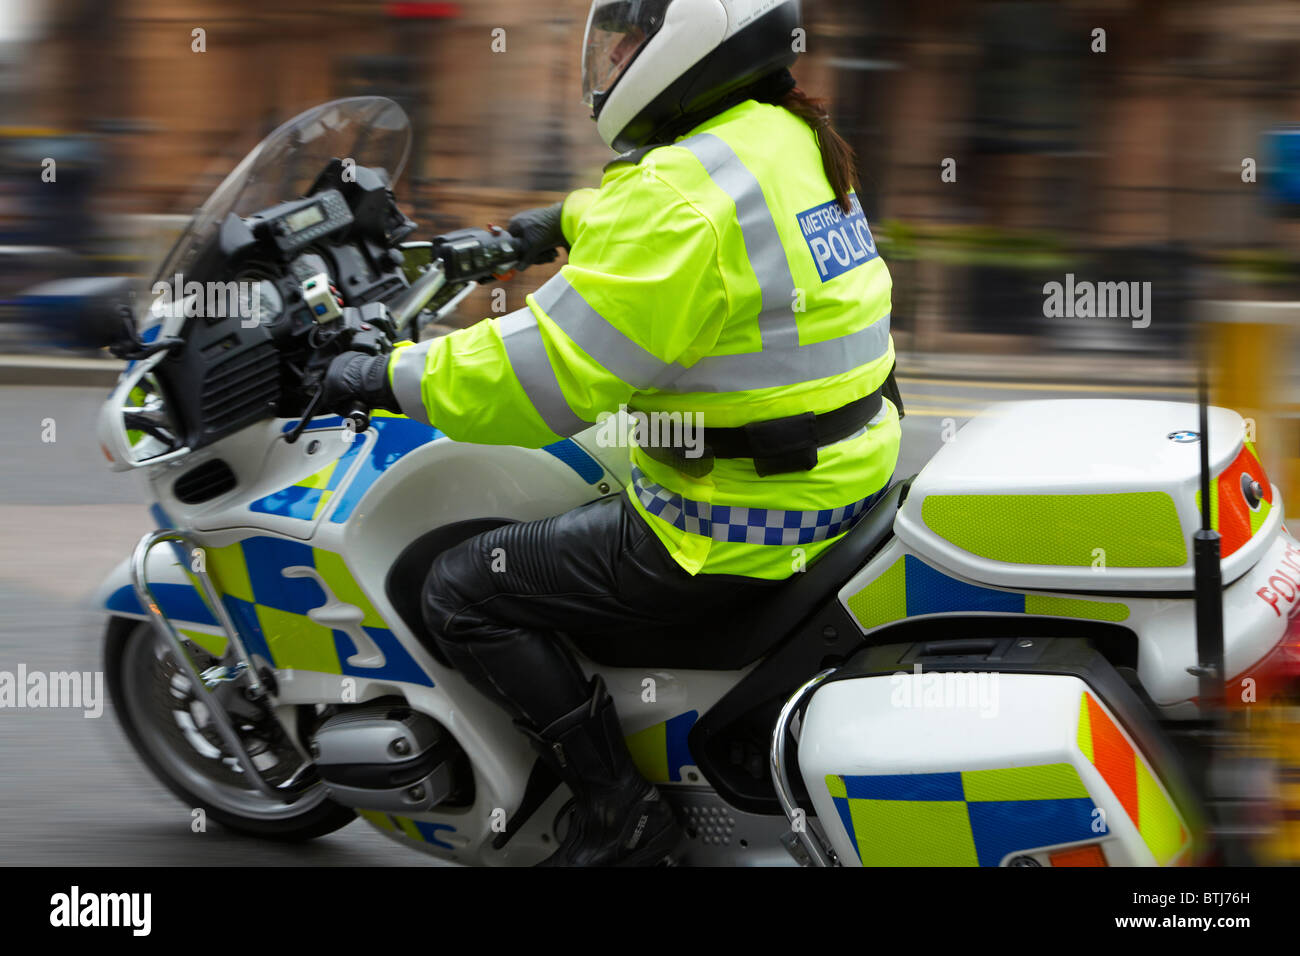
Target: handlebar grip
point(469, 255)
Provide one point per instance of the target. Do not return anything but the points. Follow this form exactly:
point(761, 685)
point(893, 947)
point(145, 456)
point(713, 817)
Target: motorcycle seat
point(728, 642)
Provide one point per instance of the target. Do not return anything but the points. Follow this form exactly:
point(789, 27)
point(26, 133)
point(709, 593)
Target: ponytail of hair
point(838, 159)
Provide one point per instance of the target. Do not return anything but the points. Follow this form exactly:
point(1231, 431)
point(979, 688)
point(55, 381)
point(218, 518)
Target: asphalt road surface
point(72, 791)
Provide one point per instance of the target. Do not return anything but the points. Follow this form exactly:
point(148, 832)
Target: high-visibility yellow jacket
point(715, 276)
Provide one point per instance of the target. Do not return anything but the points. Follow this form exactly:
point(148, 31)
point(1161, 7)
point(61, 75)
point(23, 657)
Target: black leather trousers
point(495, 602)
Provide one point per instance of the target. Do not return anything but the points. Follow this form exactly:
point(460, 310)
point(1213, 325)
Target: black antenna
point(1208, 573)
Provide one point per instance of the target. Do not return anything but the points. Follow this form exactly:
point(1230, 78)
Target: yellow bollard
point(1252, 345)
point(1253, 370)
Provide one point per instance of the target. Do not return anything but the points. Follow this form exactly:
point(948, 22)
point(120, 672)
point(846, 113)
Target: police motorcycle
point(990, 668)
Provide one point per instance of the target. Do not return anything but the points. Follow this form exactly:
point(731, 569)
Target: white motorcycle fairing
point(301, 548)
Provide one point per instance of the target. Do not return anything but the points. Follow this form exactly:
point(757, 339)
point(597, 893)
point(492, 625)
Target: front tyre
point(171, 730)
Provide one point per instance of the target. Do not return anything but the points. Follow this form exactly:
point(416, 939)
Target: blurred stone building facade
point(1063, 155)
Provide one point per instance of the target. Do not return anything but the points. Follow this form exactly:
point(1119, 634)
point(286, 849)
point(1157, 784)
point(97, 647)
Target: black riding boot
point(619, 818)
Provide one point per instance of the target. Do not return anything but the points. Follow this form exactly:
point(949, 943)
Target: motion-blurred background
point(1127, 161)
point(1118, 162)
point(1115, 140)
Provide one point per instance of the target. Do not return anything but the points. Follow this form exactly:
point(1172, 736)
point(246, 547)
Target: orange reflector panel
point(1079, 856)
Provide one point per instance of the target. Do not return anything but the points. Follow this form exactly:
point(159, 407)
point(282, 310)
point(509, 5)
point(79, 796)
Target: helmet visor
point(616, 32)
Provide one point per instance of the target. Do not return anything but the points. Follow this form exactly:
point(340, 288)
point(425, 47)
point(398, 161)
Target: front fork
point(207, 682)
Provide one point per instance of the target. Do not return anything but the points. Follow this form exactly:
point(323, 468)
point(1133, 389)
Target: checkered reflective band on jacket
point(743, 525)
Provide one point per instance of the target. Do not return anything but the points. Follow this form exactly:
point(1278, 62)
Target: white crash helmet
point(646, 64)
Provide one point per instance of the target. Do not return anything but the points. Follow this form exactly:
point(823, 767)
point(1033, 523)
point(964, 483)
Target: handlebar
point(469, 255)
point(459, 258)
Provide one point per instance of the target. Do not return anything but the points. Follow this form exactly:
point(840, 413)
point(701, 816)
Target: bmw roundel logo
point(1184, 436)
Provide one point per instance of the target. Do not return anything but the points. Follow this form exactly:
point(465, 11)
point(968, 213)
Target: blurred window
point(1026, 90)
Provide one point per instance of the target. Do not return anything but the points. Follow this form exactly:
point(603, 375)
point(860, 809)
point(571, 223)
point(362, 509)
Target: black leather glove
point(539, 232)
point(357, 378)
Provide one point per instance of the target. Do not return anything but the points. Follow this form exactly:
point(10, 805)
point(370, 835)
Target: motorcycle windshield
point(368, 130)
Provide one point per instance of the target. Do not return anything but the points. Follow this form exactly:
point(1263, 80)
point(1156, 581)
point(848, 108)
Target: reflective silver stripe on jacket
point(566, 307)
point(746, 371)
point(754, 370)
point(776, 319)
point(528, 360)
point(532, 366)
point(782, 361)
point(408, 372)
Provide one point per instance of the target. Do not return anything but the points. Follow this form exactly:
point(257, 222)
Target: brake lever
point(138, 351)
point(308, 414)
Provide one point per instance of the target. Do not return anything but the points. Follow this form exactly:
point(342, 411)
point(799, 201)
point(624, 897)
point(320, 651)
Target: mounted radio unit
point(293, 226)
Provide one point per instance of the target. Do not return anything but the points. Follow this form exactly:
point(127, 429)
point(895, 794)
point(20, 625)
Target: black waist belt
point(777, 446)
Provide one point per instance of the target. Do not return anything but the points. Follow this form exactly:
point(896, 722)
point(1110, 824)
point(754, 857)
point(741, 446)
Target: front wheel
point(172, 731)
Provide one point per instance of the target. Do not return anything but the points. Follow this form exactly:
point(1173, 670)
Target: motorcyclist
point(723, 269)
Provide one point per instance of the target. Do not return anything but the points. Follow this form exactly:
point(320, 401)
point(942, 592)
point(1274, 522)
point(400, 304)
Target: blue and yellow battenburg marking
point(661, 751)
point(395, 437)
point(909, 587)
point(270, 610)
point(307, 497)
point(414, 829)
point(967, 818)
